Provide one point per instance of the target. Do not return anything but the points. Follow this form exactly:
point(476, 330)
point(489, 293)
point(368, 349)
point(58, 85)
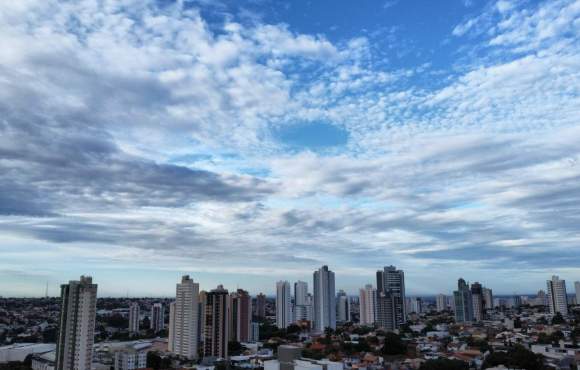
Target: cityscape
point(299, 328)
point(289, 184)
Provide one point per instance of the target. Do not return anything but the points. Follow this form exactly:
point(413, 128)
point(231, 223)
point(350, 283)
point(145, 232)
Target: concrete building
point(183, 319)
point(289, 358)
point(324, 300)
point(557, 298)
point(216, 325)
point(417, 305)
point(260, 307)
point(367, 305)
point(157, 322)
point(463, 302)
point(302, 302)
point(577, 291)
point(284, 316)
point(477, 300)
point(342, 307)
point(487, 299)
point(241, 316)
point(74, 350)
point(130, 359)
point(391, 282)
point(441, 302)
point(134, 318)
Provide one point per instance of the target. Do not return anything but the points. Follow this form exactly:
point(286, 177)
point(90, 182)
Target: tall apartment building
point(134, 318)
point(260, 307)
point(183, 319)
point(302, 302)
point(477, 300)
point(241, 316)
point(487, 299)
point(367, 305)
point(557, 298)
point(441, 302)
point(157, 322)
point(391, 283)
point(342, 307)
point(463, 302)
point(284, 316)
point(324, 300)
point(216, 325)
point(577, 291)
point(74, 349)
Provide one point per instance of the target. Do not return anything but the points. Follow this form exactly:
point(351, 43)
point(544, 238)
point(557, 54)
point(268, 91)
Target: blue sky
point(247, 142)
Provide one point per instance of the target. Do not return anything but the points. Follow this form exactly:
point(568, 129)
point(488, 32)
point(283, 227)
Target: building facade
point(367, 305)
point(477, 300)
point(557, 297)
point(241, 316)
point(134, 318)
point(157, 322)
point(183, 319)
point(391, 282)
point(74, 350)
point(216, 325)
point(284, 316)
point(324, 300)
point(463, 302)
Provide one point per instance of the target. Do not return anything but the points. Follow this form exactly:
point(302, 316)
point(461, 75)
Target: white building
point(130, 359)
point(557, 299)
point(302, 302)
point(324, 300)
point(441, 302)
point(368, 305)
point(134, 313)
point(342, 307)
point(183, 319)
point(289, 358)
point(19, 351)
point(284, 315)
point(577, 290)
point(157, 317)
point(74, 350)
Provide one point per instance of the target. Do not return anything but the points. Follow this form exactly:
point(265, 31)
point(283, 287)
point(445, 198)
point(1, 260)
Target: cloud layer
point(142, 135)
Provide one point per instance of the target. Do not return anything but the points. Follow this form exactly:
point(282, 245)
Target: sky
point(245, 142)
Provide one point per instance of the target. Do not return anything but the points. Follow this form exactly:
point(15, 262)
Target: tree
point(517, 357)
point(558, 319)
point(235, 348)
point(444, 364)
point(393, 345)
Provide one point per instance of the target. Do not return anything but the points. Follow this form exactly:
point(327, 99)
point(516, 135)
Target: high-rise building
point(368, 305)
point(441, 302)
point(557, 298)
point(417, 305)
point(477, 300)
point(74, 349)
point(216, 336)
point(577, 291)
point(157, 317)
point(324, 300)
point(300, 293)
point(284, 315)
point(183, 319)
point(463, 302)
point(342, 307)
point(134, 314)
point(241, 316)
point(386, 316)
point(541, 298)
point(516, 301)
point(487, 299)
point(302, 302)
point(260, 307)
point(391, 282)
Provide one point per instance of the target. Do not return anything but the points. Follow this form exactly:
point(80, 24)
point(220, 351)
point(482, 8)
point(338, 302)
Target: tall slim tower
point(463, 302)
point(300, 293)
point(557, 298)
point(488, 299)
point(324, 300)
point(392, 284)
point(216, 325)
point(183, 316)
point(368, 305)
point(241, 316)
point(134, 313)
point(157, 317)
point(441, 302)
point(260, 310)
point(302, 302)
point(342, 307)
point(74, 349)
point(283, 305)
point(577, 291)
point(477, 300)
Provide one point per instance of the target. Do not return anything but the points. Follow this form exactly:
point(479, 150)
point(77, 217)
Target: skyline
point(246, 143)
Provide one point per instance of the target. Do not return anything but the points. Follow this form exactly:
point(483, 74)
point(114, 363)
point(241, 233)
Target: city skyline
point(245, 143)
